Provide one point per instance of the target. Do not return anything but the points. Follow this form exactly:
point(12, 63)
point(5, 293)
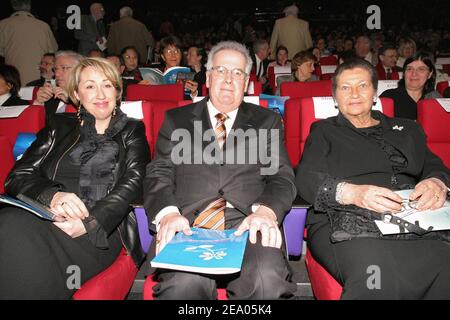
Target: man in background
point(46, 69)
point(130, 32)
point(291, 32)
point(92, 34)
point(24, 40)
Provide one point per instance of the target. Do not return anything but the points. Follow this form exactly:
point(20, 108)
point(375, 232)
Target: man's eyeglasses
point(236, 73)
point(172, 51)
point(418, 70)
point(62, 68)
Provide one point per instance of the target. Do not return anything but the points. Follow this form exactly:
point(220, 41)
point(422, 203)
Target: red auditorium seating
point(114, 283)
point(436, 124)
point(172, 92)
point(328, 61)
point(6, 161)
point(320, 88)
point(299, 115)
point(441, 86)
point(32, 119)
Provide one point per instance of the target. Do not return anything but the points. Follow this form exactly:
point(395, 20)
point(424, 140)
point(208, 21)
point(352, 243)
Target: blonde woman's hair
point(99, 64)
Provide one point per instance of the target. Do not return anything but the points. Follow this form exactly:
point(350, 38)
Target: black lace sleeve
point(326, 195)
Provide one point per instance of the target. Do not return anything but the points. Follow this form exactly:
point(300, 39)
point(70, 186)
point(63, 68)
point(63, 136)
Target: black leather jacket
point(34, 175)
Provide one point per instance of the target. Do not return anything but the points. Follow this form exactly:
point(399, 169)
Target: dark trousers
point(265, 274)
point(35, 256)
point(381, 268)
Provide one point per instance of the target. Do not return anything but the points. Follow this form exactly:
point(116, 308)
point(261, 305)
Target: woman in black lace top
point(351, 166)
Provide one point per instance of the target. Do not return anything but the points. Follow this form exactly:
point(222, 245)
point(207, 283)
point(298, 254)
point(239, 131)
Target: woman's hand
point(430, 194)
point(169, 225)
point(68, 206)
point(73, 227)
point(192, 86)
point(371, 197)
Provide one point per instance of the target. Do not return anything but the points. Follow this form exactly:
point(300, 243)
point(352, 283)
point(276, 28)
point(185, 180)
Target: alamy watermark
point(249, 146)
point(374, 280)
point(74, 279)
point(374, 20)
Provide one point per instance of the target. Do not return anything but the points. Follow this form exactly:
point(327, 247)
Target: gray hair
point(21, 5)
point(68, 53)
point(230, 45)
point(291, 10)
point(259, 44)
point(126, 12)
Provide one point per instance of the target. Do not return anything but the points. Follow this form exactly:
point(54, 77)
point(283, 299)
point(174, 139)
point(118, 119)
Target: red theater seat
point(172, 92)
point(441, 86)
point(320, 88)
point(436, 124)
point(6, 161)
point(114, 283)
point(32, 119)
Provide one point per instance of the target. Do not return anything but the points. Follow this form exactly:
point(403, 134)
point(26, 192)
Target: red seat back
point(299, 115)
point(320, 88)
point(436, 124)
point(172, 92)
point(6, 161)
point(441, 86)
point(328, 61)
point(32, 119)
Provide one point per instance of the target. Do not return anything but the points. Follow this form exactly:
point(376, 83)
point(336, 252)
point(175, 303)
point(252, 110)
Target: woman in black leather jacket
point(88, 169)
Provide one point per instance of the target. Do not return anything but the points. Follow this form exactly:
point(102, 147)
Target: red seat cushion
point(171, 92)
point(324, 286)
point(6, 161)
point(441, 86)
point(114, 283)
point(297, 89)
point(32, 119)
point(436, 124)
point(150, 282)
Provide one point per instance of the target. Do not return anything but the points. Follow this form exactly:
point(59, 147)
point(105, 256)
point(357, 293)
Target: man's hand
point(431, 194)
point(60, 93)
point(192, 86)
point(263, 220)
point(169, 225)
point(73, 227)
point(43, 94)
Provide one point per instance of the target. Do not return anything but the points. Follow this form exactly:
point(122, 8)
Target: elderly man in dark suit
point(93, 29)
point(250, 195)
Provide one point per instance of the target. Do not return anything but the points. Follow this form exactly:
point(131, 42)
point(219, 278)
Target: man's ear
point(208, 79)
point(247, 81)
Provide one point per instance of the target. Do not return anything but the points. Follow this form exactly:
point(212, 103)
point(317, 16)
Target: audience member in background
point(93, 211)
point(302, 66)
point(196, 59)
point(291, 32)
point(406, 48)
point(321, 44)
point(55, 98)
point(419, 77)
point(260, 54)
point(95, 53)
point(364, 49)
point(46, 69)
point(171, 55)
point(130, 32)
point(351, 165)
point(348, 44)
point(346, 55)
point(281, 59)
point(93, 29)
point(131, 59)
point(24, 40)
point(10, 86)
point(387, 63)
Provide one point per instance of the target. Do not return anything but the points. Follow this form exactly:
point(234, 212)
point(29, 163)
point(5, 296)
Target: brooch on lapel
point(396, 127)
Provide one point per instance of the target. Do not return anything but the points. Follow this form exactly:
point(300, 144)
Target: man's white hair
point(69, 53)
point(230, 45)
point(291, 10)
point(126, 12)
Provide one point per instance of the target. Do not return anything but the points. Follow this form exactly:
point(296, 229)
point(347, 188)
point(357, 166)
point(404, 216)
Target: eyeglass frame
point(229, 71)
point(421, 69)
point(63, 68)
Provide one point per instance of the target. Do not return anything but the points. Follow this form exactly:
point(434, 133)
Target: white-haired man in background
point(128, 31)
point(291, 32)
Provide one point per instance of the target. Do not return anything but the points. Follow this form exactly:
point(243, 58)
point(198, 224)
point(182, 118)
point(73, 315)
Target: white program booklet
point(439, 219)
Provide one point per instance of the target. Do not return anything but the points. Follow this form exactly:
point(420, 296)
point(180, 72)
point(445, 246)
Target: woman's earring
point(78, 113)
point(114, 111)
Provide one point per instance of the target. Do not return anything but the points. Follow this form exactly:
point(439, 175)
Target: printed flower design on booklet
point(208, 252)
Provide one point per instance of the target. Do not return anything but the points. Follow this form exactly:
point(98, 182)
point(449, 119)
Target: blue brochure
point(275, 102)
point(205, 251)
